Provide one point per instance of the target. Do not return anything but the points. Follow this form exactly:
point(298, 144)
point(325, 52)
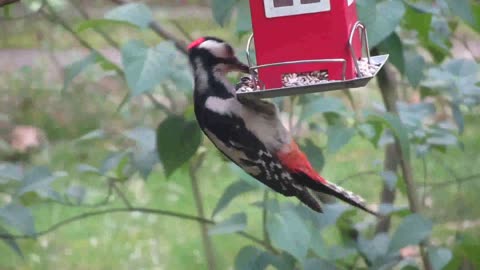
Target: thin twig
point(181, 29)
point(102, 33)
point(197, 196)
point(55, 18)
point(107, 211)
point(355, 175)
point(457, 181)
point(122, 196)
point(159, 30)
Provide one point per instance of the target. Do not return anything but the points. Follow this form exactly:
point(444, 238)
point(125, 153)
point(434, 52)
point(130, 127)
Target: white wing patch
point(267, 128)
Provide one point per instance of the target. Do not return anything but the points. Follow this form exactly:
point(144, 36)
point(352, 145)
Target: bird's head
point(216, 55)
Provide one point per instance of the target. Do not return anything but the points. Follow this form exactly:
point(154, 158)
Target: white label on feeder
point(350, 2)
point(281, 8)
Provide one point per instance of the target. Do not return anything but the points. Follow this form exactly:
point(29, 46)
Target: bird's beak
point(237, 65)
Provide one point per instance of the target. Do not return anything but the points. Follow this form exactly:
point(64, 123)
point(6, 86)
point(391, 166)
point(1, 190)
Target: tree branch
point(390, 98)
point(159, 30)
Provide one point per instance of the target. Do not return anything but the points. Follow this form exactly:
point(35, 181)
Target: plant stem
point(197, 195)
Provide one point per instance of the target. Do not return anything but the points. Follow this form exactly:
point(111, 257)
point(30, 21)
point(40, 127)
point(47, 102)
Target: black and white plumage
point(249, 131)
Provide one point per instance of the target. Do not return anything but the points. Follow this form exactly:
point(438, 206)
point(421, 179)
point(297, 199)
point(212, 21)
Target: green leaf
point(316, 264)
point(222, 10)
point(134, 13)
point(380, 20)
point(244, 19)
point(439, 257)
point(85, 168)
point(38, 179)
point(10, 171)
point(236, 223)
point(414, 67)
point(10, 242)
point(143, 136)
point(96, 23)
point(412, 230)
point(393, 46)
point(374, 249)
point(112, 162)
point(252, 258)
point(317, 243)
point(314, 154)
point(146, 67)
point(77, 193)
point(324, 105)
point(92, 135)
point(462, 9)
point(18, 217)
point(177, 141)
point(418, 21)
point(288, 232)
point(458, 117)
point(231, 192)
point(247, 259)
point(338, 136)
point(74, 69)
point(144, 161)
point(396, 126)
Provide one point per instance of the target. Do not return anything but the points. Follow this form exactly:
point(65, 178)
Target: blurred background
point(102, 165)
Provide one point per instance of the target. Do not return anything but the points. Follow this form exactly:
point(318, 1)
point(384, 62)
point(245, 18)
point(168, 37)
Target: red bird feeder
point(306, 46)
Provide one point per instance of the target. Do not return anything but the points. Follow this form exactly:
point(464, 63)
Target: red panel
point(319, 35)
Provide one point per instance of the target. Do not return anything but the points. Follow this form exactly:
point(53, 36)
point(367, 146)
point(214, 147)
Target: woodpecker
point(249, 131)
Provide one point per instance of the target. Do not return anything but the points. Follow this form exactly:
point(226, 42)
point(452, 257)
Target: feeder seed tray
point(368, 71)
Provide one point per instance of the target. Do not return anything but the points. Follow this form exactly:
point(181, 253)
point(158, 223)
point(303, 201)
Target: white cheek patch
point(216, 48)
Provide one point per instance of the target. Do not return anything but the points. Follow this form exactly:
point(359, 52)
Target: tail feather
point(346, 196)
point(336, 191)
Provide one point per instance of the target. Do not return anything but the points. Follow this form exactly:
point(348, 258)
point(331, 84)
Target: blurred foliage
point(418, 36)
